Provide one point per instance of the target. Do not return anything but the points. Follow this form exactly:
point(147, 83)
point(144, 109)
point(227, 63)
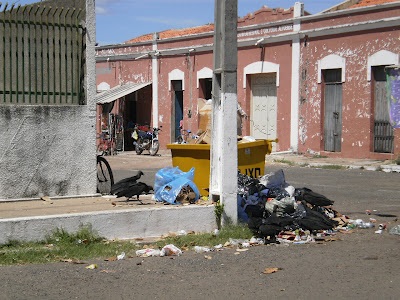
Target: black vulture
point(134, 189)
point(123, 184)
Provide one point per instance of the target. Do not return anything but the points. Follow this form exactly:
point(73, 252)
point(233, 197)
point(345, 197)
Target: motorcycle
point(146, 140)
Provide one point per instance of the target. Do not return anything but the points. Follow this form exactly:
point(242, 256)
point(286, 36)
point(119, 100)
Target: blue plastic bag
point(170, 181)
point(168, 174)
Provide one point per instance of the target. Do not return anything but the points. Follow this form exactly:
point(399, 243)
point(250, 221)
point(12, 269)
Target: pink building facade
point(315, 82)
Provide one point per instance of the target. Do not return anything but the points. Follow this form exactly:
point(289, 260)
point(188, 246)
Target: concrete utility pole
point(154, 76)
point(224, 164)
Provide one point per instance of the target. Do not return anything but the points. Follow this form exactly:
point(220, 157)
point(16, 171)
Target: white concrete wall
point(47, 151)
point(51, 150)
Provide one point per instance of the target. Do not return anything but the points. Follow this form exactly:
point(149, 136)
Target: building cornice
point(266, 39)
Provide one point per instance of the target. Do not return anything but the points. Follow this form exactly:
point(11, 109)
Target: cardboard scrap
point(271, 270)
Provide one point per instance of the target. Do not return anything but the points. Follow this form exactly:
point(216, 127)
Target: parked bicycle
point(105, 177)
point(107, 145)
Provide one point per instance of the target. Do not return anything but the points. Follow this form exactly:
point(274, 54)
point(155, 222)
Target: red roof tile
point(362, 3)
point(170, 33)
point(264, 14)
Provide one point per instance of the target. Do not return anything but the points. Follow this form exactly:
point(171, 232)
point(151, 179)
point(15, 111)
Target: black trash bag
point(315, 199)
point(269, 230)
point(278, 193)
point(285, 222)
point(324, 218)
point(312, 220)
point(246, 183)
point(312, 224)
point(255, 211)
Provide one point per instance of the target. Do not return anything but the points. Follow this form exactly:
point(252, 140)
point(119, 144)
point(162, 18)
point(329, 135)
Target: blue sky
point(120, 20)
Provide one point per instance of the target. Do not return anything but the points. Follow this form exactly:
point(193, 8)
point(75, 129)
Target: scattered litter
point(91, 267)
point(200, 249)
point(271, 270)
point(359, 223)
point(121, 256)
point(207, 257)
point(395, 230)
point(170, 250)
point(148, 252)
point(112, 258)
point(217, 247)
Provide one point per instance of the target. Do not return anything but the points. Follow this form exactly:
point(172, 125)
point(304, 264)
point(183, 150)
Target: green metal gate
point(41, 55)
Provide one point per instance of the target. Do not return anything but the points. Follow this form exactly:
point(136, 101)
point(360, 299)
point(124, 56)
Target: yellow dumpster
point(251, 160)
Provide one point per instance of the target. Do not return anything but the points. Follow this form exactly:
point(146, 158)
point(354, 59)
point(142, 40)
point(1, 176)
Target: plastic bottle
point(366, 225)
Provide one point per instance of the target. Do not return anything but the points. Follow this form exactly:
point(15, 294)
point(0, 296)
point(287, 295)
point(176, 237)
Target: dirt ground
point(360, 264)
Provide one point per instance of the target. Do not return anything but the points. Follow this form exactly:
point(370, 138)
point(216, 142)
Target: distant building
point(316, 82)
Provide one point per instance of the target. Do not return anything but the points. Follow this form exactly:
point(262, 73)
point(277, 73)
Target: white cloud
point(104, 6)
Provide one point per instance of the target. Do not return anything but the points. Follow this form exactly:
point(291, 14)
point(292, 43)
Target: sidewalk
point(317, 161)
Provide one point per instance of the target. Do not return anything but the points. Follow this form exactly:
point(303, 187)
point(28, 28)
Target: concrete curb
point(123, 224)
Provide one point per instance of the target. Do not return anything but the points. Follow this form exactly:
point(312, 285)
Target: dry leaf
point(271, 270)
point(112, 258)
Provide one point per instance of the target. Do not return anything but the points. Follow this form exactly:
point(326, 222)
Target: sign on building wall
point(393, 89)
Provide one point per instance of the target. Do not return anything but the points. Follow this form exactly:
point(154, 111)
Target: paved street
point(358, 265)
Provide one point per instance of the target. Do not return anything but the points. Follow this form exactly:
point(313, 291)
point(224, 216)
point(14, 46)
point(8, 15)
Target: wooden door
point(264, 107)
point(333, 110)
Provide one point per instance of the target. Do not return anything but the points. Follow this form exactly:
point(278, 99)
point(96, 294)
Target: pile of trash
point(275, 210)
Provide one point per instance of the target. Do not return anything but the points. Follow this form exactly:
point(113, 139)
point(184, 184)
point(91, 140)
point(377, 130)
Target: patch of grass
point(87, 245)
point(319, 156)
point(284, 161)
point(61, 245)
point(332, 167)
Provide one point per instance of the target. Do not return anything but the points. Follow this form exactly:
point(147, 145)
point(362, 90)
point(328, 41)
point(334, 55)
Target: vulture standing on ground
point(129, 187)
